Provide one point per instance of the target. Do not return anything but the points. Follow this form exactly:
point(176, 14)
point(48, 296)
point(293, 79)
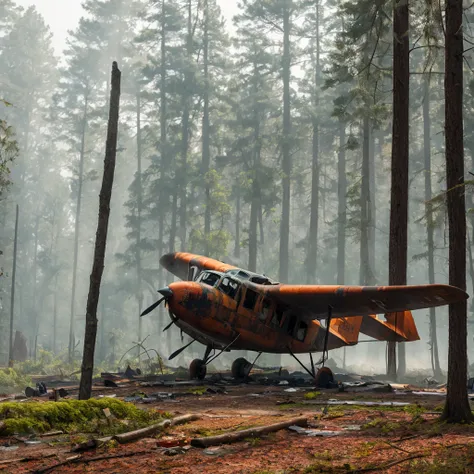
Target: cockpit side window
point(209, 278)
point(250, 299)
point(229, 287)
point(301, 331)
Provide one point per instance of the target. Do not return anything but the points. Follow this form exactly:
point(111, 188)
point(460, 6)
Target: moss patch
point(85, 416)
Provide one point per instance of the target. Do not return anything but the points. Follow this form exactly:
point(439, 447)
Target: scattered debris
point(308, 432)
point(250, 433)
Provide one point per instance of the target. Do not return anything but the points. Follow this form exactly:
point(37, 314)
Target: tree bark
point(397, 259)
point(185, 132)
point(138, 254)
point(429, 223)
point(85, 387)
point(341, 198)
point(286, 146)
point(12, 295)
point(76, 230)
point(457, 407)
point(237, 223)
point(163, 142)
point(312, 252)
point(206, 151)
point(366, 274)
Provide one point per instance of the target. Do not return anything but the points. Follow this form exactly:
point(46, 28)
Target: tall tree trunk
point(138, 255)
point(76, 230)
point(206, 151)
point(286, 146)
point(457, 407)
point(12, 295)
point(372, 193)
point(255, 203)
point(366, 274)
point(185, 131)
point(312, 252)
point(34, 309)
point(429, 223)
point(397, 259)
point(237, 223)
point(85, 386)
point(163, 141)
point(341, 205)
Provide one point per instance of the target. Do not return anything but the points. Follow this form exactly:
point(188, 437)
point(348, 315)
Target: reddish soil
point(371, 448)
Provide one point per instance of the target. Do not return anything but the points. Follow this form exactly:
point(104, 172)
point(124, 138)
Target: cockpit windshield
point(229, 287)
point(209, 278)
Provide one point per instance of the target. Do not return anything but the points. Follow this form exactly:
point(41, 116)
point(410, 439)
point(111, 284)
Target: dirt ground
point(360, 439)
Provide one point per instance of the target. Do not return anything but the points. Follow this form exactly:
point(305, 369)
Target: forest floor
point(339, 438)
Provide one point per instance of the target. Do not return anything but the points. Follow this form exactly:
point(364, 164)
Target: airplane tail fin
point(397, 327)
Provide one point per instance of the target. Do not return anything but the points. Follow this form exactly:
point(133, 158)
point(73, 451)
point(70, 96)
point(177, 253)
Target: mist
point(209, 163)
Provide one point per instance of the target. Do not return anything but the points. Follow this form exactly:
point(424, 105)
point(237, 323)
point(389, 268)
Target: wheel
point(324, 378)
point(241, 368)
point(197, 369)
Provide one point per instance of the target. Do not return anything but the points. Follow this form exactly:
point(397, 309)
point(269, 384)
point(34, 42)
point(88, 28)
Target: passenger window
point(277, 317)
point(229, 287)
point(266, 307)
point(291, 324)
point(302, 330)
point(250, 299)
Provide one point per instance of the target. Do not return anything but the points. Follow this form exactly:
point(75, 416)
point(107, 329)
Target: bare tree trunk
point(341, 211)
point(312, 252)
point(237, 223)
point(76, 230)
point(163, 141)
point(429, 223)
point(457, 407)
point(12, 296)
point(286, 146)
point(400, 139)
point(85, 387)
point(185, 132)
point(372, 207)
point(138, 255)
point(206, 151)
point(366, 274)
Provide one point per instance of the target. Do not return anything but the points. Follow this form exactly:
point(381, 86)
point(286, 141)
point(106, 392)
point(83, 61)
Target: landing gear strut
point(324, 377)
point(198, 367)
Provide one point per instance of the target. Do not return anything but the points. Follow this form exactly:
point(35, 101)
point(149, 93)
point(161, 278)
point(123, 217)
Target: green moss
point(74, 415)
point(12, 381)
point(311, 395)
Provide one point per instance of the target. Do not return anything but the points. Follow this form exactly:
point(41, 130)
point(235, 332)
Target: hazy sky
point(63, 15)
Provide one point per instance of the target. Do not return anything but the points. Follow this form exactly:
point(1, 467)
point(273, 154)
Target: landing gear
point(324, 378)
point(197, 369)
point(241, 368)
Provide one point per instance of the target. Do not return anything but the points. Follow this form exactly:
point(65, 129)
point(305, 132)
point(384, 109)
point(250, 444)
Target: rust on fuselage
point(220, 304)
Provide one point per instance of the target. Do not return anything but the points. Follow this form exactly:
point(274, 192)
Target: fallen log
point(151, 430)
point(250, 433)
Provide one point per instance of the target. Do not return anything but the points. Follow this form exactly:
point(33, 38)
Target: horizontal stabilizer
point(397, 327)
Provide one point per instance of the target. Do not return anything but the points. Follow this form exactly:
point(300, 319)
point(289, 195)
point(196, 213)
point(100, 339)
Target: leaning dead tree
point(87, 368)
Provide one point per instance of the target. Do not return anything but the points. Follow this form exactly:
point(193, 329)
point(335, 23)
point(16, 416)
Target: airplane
point(228, 308)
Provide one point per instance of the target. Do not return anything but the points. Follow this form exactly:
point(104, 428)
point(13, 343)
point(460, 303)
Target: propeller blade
point(173, 320)
point(176, 353)
point(152, 307)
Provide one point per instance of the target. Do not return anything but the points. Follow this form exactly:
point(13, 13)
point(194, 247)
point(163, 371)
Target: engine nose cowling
point(190, 299)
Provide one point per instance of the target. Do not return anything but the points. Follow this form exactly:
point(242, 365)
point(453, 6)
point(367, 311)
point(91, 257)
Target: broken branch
point(250, 433)
point(151, 430)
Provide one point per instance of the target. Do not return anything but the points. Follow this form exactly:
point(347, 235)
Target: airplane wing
point(188, 266)
point(349, 301)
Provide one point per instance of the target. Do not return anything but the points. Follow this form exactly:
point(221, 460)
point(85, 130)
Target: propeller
point(176, 353)
point(166, 292)
point(173, 320)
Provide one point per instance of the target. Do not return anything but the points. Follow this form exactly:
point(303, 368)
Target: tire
point(241, 368)
point(324, 378)
point(197, 369)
